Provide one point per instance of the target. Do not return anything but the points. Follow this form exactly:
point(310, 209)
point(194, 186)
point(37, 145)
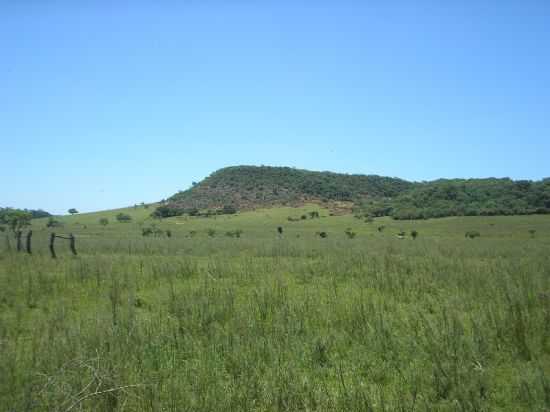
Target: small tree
point(73, 211)
point(123, 217)
point(414, 234)
point(53, 223)
point(381, 228)
point(350, 233)
point(103, 221)
point(323, 234)
point(280, 230)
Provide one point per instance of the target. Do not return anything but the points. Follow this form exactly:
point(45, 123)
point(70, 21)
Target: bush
point(211, 232)
point(323, 234)
point(350, 234)
point(381, 228)
point(472, 234)
point(229, 210)
point(104, 221)
point(414, 234)
point(53, 223)
point(123, 217)
point(234, 233)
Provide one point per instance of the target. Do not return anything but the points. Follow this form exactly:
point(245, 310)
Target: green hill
point(248, 187)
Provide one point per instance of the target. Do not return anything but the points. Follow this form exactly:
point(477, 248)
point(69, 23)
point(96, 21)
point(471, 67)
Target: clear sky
point(105, 105)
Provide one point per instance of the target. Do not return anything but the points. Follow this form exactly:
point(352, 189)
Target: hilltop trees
point(73, 211)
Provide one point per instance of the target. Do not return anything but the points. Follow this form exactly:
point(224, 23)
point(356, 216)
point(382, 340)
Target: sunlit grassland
point(269, 322)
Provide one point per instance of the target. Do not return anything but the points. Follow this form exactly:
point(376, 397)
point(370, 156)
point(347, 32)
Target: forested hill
point(247, 187)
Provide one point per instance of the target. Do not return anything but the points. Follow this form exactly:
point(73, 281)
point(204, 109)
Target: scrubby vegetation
point(249, 187)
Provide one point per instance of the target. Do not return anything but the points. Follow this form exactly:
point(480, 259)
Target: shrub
point(234, 233)
point(192, 233)
point(381, 228)
point(280, 230)
point(414, 234)
point(472, 234)
point(532, 232)
point(350, 234)
point(323, 234)
point(123, 217)
point(229, 210)
point(104, 221)
point(211, 232)
point(369, 219)
point(53, 223)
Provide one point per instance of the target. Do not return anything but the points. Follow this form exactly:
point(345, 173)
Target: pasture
point(204, 321)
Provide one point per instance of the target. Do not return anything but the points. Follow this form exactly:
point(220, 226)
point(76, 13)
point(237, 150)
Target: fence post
point(18, 237)
point(72, 240)
point(52, 248)
point(29, 236)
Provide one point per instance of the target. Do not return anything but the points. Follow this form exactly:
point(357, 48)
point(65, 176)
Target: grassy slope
point(263, 323)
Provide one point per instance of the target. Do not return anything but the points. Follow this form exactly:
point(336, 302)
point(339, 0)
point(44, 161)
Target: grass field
point(266, 322)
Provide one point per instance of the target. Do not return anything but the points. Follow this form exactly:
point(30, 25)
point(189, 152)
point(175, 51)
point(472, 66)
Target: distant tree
point(53, 222)
point(350, 233)
point(303, 217)
point(103, 221)
point(381, 228)
point(229, 210)
point(169, 233)
point(123, 217)
point(414, 234)
point(323, 234)
point(472, 234)
point(532, 232)
point(73, 211)
point(280, 230)
point(15, 219)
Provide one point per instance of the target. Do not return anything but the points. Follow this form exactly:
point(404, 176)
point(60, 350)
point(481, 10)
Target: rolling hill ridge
point(248, 187)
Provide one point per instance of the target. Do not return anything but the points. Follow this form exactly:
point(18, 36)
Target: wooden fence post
point(18, 237)
point(72, 240)
point(29, 236)
point(52, 248)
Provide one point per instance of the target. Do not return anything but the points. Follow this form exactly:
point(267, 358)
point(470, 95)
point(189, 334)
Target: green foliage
point(73, 211)
point(234, 233)
point(322, 235)
point(244, 187)
point(15, 219)
point(52, 222)
point(211, 232)
point(350, 233)
point(472, 234)
point(414, 234)
point(381, 228)
point(123, 217)
point(532, 232)
point(103, 221)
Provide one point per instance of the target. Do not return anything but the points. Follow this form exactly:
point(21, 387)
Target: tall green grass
point(266, 323)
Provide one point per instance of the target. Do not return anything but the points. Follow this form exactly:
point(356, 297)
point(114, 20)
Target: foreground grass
point(293, 323)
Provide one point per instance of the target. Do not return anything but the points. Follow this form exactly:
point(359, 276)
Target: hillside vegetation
point(249, 187)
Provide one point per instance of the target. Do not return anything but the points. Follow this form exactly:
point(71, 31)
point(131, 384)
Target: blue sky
point(105, 105)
